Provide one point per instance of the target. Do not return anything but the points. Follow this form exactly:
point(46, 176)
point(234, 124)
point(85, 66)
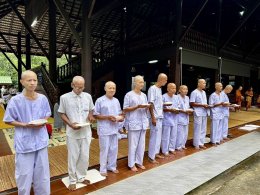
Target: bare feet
point(197, 147)
point(166, 154)
point(134, 169)
point(172, 152)
point(141, 167)
point(103, 174)
point(72, 187)
point(202, 146)
point(153, 161)
point(159, 156)
point(184, 148)
point(86, 182)
point(114, 171)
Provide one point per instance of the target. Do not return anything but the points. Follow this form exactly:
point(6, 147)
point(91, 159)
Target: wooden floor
point(57, 187)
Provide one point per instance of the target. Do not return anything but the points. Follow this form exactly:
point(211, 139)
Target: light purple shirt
point(137, 119)
point(199, 97)
point(21, 109)
point(169, 118)
point(183, 118)
point(155, 97)
point(105, 106)
point(225, 98)
point(216, 112)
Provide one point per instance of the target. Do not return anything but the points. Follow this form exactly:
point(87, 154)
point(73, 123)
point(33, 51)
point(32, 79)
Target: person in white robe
point(226, 107)
point(109, 115)
point(198, 100)
point(183, 118)
point(216, 114)
point(136, 123)
point(76, 109)
point(169, 128)
point(156, 117)
point(29, 112)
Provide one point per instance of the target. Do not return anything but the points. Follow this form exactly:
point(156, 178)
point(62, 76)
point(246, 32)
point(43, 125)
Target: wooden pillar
point(19, 56)
point(86, 58)
point(175, 68)
point(28, 51)
point(52, 42)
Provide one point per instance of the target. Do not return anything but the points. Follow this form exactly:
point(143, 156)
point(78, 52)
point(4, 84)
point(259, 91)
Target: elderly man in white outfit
point(136, 122)
point(198, 100)
point(170, 115)
point(156, 116)
point(76, 109)
point(109, 115)
point(225, 108)
point(216, 114)
point(183, 118)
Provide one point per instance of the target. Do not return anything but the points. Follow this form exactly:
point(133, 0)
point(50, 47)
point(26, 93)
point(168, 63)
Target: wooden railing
point(101, 64)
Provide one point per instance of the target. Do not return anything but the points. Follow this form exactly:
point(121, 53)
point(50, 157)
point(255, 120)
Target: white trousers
point(216, 130)
point(182, 136)
point(200, 129)
point(78, 158)
point(33, 168)
point(108, 145)
point(169, 137)
point(136, 147)
point(225, 127)
point(155, 138)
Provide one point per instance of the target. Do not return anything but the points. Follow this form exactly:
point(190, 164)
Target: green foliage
point(6, 69)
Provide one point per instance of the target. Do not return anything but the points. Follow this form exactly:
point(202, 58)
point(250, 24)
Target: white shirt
point(77, 108)
point(225, 98)
point(199, 97)
point(155, 97)
point(216, 112)
point(183, 118)
point(137, 119)
point(169, 118)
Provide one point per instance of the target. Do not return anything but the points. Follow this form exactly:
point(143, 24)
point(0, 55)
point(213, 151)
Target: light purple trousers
point(169, 137)
point(33, 168)
point(136, 147)
point(155, 138)
point(108, 145)
point(182, 136)
point(200, 129)
point(225, 127)
point(216, 130)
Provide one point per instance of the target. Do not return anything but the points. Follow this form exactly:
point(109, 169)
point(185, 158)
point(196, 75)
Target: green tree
point(6, 69)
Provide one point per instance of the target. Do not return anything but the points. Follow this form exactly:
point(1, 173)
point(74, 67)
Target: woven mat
point(58, 162)
point(57, 139)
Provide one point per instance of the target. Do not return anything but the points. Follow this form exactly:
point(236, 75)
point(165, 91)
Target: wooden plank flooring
point(57, 187)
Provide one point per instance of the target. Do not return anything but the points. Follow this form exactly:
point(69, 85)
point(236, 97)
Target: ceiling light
point(242, 13)
point(153, 61)
point(34, 22)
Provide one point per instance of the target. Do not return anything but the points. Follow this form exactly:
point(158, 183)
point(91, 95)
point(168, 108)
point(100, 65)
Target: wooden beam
point(28, 28)
point(67, 20)
point(14, 52)
point(6, 56)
